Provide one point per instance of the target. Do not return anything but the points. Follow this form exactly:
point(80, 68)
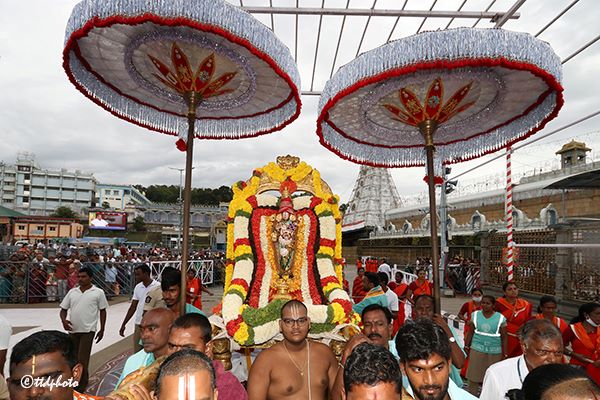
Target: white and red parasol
point(166, 64)
point(463, 92)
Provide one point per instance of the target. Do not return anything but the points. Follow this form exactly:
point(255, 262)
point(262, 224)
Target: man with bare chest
point(294, 368)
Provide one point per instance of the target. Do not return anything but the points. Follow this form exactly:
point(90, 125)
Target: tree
point(64, 212)
point(139, 225)
point(105, 205)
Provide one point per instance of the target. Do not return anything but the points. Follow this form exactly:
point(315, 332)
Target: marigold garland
point(250, 325)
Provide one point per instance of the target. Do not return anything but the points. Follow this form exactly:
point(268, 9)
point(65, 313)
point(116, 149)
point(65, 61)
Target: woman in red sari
point(358, 291)
point(517, 312)
point(584, 337)
point(419, 287)
point(547, 310)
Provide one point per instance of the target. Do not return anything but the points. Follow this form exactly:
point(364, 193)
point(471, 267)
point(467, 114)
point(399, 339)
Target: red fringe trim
point(118, 19)
point(553, 84)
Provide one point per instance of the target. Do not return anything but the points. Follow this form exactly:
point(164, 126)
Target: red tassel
point(436, 179)
point(181, 145)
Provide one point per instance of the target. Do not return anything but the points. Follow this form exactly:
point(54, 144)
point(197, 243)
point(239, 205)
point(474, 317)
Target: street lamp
point(180, 200)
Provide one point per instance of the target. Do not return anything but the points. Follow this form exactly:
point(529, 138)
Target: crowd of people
point(508, 350)
point(44, 273)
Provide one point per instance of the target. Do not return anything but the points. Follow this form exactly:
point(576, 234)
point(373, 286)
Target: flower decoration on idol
point(280, 248)
point(194, 86)
point(286, 223)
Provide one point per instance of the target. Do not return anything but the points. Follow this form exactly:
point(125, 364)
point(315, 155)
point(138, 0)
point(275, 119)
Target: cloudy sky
point(42, 113)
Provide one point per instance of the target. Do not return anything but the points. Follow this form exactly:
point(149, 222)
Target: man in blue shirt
point(375, 295)
point(154, 331)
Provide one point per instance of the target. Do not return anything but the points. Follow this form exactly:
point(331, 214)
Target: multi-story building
point(119, 196)
point(27, 188)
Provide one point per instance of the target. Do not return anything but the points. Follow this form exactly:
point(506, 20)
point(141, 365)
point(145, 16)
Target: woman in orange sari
point(547, 310)
point(584, 337)
point(194, 290)
point(517, 312)
point(419, 287)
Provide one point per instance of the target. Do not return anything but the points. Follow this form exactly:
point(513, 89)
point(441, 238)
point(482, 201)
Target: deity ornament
point(283, 237)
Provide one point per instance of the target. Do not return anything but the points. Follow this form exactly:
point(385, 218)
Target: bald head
point(154, 330)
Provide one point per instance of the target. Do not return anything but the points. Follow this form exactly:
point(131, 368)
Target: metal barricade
point(202, 268)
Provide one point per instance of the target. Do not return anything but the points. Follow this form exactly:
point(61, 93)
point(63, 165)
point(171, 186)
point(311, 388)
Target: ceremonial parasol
point(464, 92)
point(165, 64)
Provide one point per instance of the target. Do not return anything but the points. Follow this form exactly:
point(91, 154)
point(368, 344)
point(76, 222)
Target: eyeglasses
point(289, 322)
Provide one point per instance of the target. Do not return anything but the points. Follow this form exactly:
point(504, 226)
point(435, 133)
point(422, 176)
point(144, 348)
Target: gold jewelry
point(33, 366)
point(292, 360)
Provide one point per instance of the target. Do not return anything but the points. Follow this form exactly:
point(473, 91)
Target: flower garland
point(253, 319)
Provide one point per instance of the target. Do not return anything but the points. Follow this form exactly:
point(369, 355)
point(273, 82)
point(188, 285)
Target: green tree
point(64, 212)
point(105, 205)
point(139, 225)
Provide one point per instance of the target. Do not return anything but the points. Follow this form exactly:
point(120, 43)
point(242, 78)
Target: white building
point(119, 196)
point(27, 188)
point(374, 193)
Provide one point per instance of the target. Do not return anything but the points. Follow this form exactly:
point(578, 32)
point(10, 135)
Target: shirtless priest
point(294, 368)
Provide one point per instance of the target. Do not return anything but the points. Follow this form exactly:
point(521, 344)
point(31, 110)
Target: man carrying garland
point(294, 368)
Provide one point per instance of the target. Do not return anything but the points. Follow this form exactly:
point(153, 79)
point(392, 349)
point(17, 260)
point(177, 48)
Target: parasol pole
point(427, 129)
point(192, 100)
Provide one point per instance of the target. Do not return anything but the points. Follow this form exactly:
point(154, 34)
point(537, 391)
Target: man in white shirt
point(392, 297)
point(541, 343)
point(384, 267)
point(145, 284)
point(85, 304)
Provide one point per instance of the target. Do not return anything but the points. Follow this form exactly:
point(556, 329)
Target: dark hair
point(383, 278)
point(87, 271)
point(584, 309)
point(185, 361)
point(546, 377)
point(377, 307)
point(44, 342)
point(539, 329)
point(291, 303)
point(372, 277)
point(506, 284)
point(424, 296)
point(194, 320)
point(420, 339)
point(544, 300)
point(369, 364)
point(480, 290)
point(170, 277)
point(489, 297)
point(143, 267)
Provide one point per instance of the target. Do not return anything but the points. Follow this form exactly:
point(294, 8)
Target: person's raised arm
point(458, 356)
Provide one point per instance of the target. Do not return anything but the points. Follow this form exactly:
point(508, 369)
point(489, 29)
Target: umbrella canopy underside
point(109, 55)
point(511, 84)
